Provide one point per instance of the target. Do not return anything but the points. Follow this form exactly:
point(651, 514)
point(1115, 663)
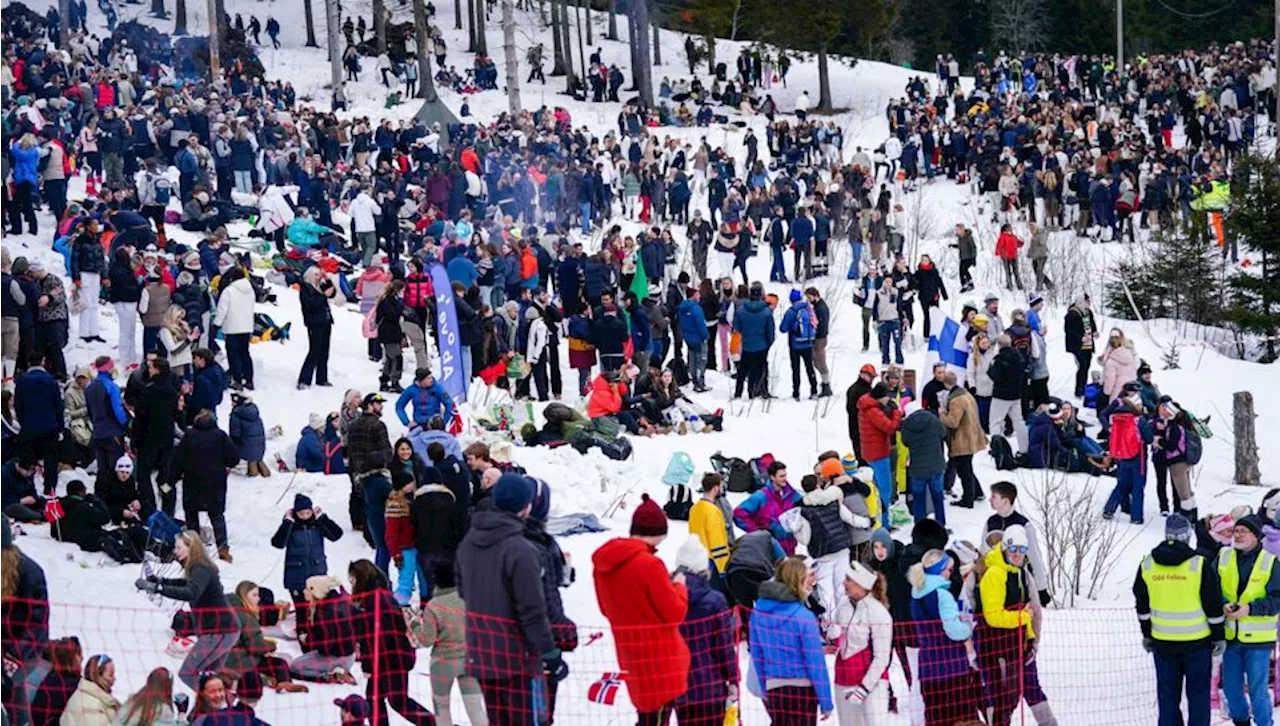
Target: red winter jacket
point(603, 400)
point(1007, 246)
point(876, 428)
point(645, 609)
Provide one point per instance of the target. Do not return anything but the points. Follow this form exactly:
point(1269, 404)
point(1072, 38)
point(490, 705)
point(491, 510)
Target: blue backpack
point(805, 326)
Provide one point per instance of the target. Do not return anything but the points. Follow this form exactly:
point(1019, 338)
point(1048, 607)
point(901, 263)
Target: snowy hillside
point(1082, 651)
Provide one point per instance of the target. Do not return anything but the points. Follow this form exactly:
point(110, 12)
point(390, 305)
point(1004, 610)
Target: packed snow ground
point(1084, 650)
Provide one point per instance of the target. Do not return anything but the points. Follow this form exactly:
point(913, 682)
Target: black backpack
point(679, 371)
point(119, 546)
point(1002, 452)
point(679, 502)
point(619, 449)
point(738, 477)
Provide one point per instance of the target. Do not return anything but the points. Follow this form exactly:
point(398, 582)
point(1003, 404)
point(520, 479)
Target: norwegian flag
point(53, 510)
point(605, 690)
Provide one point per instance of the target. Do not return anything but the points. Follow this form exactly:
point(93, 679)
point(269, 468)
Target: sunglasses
point(1016, 549)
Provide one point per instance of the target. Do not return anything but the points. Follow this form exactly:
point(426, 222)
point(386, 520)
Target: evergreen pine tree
point(1253, 294)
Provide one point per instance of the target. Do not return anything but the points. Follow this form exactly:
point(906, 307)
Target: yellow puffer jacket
point(994, 589)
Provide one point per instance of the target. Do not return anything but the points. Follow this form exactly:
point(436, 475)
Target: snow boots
point(224, 554)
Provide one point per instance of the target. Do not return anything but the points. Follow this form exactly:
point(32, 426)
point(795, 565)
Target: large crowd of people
point(526, 215)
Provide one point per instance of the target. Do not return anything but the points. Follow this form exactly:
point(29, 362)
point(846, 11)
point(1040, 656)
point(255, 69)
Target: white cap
point(911, 407)
point(693, 556)
point(862, 575)
point(316, 421)
point(1015, 536)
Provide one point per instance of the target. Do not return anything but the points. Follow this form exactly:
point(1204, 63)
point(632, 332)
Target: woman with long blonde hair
point(215, 622)
point(786, 647)
point(152, 705)
point(178, 340)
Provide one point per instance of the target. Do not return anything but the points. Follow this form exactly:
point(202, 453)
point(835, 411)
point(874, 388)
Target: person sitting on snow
point(320, 449)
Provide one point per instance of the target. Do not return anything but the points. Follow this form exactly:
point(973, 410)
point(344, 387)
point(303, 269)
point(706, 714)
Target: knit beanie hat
point(693, 556)
point(315, 421)
point(1250, 522)
point(849, 463)
point(879, 390)
point(1178, 529)
point(541, 500)
point(831, 468)
point(301, 502)
point(796, 296)
point(512, 493)
point(648, 519)
point(1220, 528)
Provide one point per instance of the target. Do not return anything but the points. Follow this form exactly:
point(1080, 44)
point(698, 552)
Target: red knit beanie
point(648, 520)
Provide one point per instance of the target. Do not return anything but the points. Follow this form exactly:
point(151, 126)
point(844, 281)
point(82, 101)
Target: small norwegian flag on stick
point(605, 690)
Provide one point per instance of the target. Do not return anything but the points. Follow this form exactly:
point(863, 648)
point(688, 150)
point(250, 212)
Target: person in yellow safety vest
point(1251, 588)
point(1179, 601)
point(900, 394)
point(1211, 196)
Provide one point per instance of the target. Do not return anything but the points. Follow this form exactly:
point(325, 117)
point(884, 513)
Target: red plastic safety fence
point(1085, 667)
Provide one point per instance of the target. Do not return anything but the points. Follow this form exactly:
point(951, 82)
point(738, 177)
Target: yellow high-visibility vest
point(1255, 628)
point(1174, 595)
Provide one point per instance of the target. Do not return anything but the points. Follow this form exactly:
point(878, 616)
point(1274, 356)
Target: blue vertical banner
point(452, 376)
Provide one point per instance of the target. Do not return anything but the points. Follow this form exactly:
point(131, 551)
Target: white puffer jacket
point(235, 308)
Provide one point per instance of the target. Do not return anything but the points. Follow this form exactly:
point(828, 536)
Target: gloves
point(856, 695)
point(1149, 644)
point(1045, 598)
point(555, 666)
point(1219, 647)
point(146, 585)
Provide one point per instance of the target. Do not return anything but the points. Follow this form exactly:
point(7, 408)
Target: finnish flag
point(949, 345)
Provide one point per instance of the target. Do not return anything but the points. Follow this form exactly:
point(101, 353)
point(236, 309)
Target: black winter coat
point(83, 523)
point(154, 413)
point(1077, 324)
point(438, 523)
point(1008, 373)
point(316, 312)
point(125, 286)
point(381, 630)
point(303, 543)
point(203, 589)
point(499, 578)
point(201, 461)
point(118, 495)
point(390, 310)
point(556, 573)
point(930, 285)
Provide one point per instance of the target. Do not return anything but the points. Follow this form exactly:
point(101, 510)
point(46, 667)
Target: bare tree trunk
point(557, 44)
point(311, 27)
point(471, 25)
point(644, 74)
point(513, 63)
point(824, 79)
point(737, 10)
point(380, 25)
point(657, 45)
point(586, 10)
point(482, 42)
point(157, 8)
point(180, 17)
point(613, 20)
point(1246, 435)
point(64, 20)
point(215, 42)
point(333, 32)
point(582, 53)
point(457, 15)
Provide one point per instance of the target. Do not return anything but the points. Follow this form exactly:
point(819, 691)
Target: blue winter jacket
point(693, 322)
point(462, 270)
point(38, 402)
point(206, 392)
point(788, 326)
point(427, 402)
point(641, 336)
point(25, 164)
point(247, 433)
point(303, 545)
point(1044, 442)
point(654, 257)
point(317, 455)
point(420, 438)
point(14, 486)
point(755, 322)
point(941, 630)
point(708, 628)
point(786, 642)
point(106, 410)
point(802, 230)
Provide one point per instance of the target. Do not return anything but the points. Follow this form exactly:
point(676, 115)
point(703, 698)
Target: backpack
point(679, 371)
point(1194, 445)
point(557, 413)
point(679, 470)
point(163, 528)
point(118, 545)
point(679, 502)
point(760, 469)
point(1002, 452)
point(164, 191)
point(735, 472)
point(370, 326)
point(619, 449)
point(805, 325)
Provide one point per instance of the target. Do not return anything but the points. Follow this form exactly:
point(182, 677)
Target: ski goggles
point(1016, 549)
